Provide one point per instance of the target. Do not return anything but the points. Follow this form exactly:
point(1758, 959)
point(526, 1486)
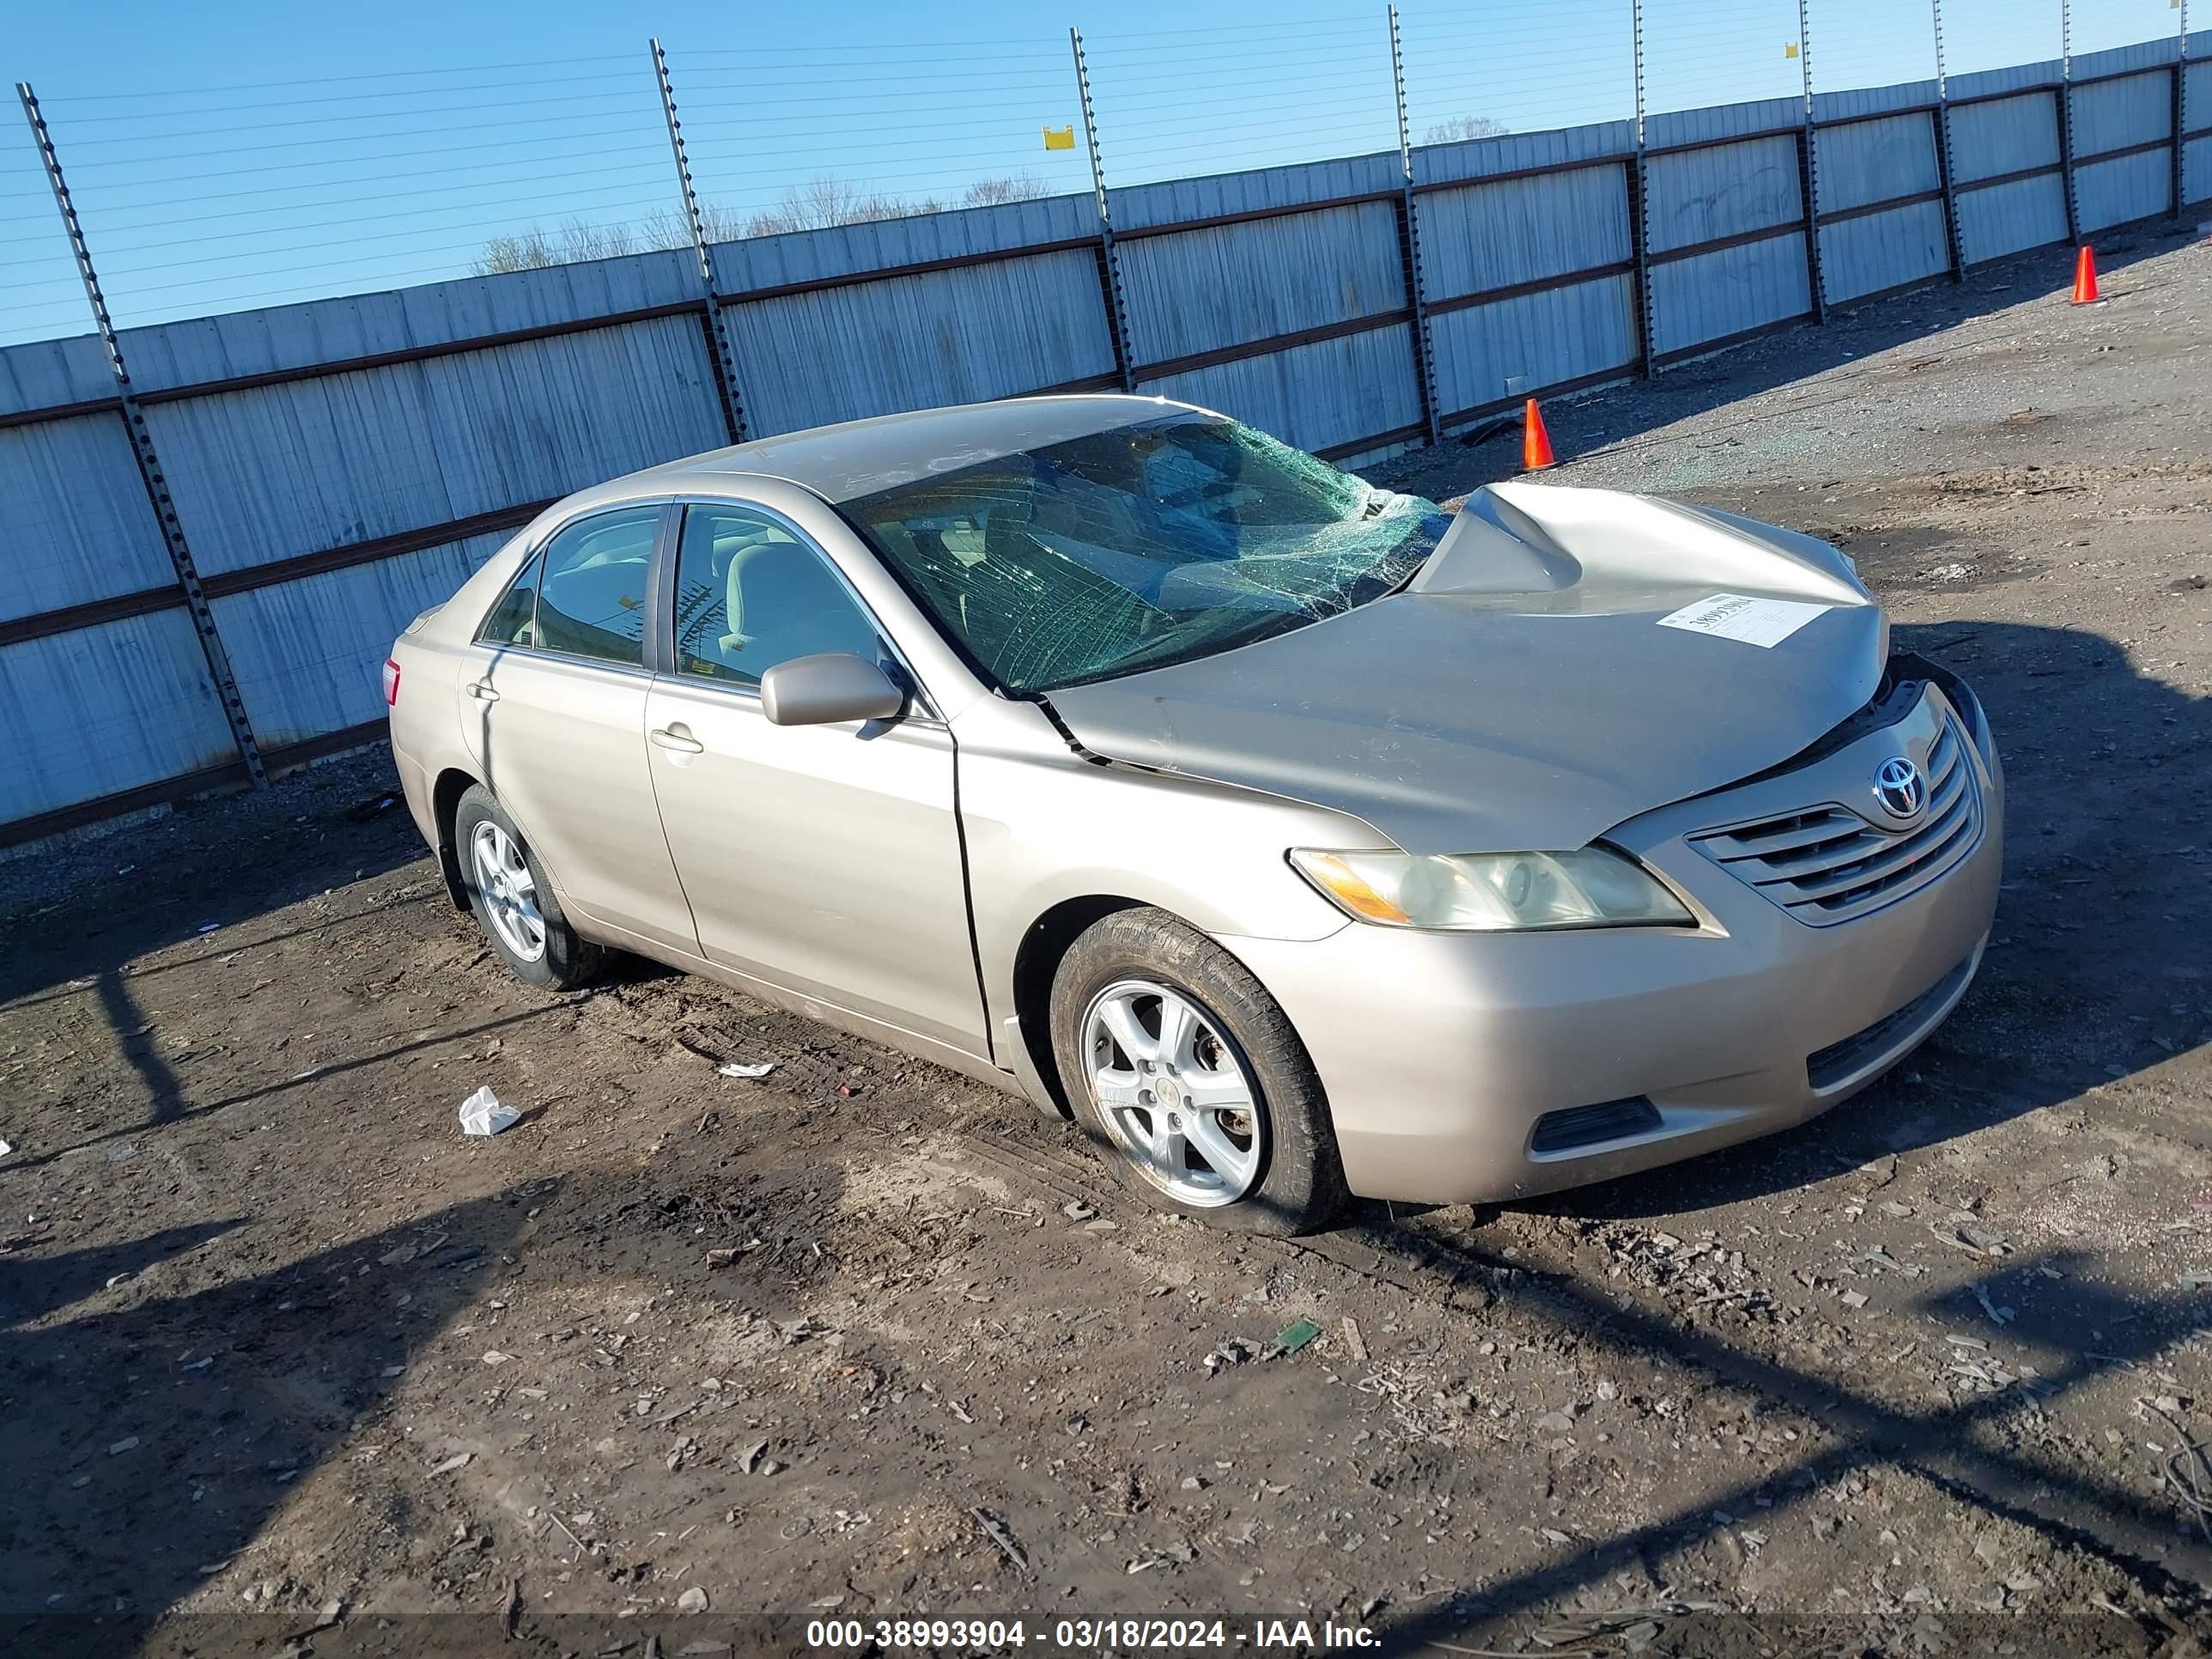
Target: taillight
point(391, 683)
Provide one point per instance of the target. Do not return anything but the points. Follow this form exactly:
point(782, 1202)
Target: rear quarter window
point(509, 622)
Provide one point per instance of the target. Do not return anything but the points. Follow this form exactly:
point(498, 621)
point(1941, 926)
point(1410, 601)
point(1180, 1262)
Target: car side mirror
point(827, 689)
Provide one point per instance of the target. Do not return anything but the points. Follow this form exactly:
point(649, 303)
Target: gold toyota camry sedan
point(1299, 838)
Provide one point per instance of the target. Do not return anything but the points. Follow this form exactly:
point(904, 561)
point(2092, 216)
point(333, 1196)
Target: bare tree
point(991, 192)
point(531, 251)
point(1465, 126)
point(815, 205)
point(665, 228)
point(575, 240)
point(827, 200)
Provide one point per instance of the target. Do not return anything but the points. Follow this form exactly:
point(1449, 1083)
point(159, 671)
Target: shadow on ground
point(1960, 1446)
point(173, 1429)
point(174, 1432)
point(93, 906)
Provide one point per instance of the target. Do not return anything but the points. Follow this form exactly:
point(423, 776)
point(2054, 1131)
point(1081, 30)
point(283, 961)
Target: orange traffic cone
point(1536, 443)
point(2084, 278)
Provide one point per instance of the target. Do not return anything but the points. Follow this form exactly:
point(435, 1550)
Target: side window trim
point(659, 589)
point(665, 594)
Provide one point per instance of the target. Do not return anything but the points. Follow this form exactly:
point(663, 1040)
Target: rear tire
point(1189, 1077)
point(514, 904)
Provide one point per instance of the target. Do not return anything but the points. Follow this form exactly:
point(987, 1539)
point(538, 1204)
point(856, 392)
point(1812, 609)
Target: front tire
point(1190, 1077)
point(514, 904)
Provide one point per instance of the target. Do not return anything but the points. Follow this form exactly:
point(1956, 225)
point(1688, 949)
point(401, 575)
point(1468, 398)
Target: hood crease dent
point(1519, 695)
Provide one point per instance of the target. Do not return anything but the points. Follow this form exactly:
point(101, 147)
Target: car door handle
point(678, 738)
point(483, 691)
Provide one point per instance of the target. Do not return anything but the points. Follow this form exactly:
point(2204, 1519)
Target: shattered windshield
point(1147, 544)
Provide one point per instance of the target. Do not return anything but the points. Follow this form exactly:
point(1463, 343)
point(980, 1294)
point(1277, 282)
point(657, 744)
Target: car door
point(556, 717)
point(825, 860)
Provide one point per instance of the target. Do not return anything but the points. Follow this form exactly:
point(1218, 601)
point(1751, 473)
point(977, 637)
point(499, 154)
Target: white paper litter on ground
point(735, 1070)
point(484, 1113)
point(1762, 622)
point(5, 1149)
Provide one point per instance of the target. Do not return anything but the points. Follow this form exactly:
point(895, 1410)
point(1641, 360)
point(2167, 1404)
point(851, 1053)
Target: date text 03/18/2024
point(1084, 1634)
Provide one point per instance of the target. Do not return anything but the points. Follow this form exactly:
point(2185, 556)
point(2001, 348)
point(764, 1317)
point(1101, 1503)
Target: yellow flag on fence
point(1060, 137)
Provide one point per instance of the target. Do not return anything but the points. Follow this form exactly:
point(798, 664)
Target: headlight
point(1492, 892)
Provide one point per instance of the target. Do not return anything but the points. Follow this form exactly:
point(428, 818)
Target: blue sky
point(250, 154)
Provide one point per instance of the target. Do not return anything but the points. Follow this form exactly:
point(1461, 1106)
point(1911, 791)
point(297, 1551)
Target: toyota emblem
point(1899, 788)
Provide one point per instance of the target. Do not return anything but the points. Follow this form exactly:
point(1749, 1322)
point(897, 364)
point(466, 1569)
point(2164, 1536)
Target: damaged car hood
point(1564, 660)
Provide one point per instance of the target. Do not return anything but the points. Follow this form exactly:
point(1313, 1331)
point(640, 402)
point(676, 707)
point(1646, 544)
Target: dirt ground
point(682, 1362)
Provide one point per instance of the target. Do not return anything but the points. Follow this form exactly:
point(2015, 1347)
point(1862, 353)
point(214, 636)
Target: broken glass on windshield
point(1140, 546)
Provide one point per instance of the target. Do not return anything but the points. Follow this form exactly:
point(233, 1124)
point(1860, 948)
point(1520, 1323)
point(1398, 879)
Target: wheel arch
point(1311, 1187)
point(1044, 944)
point(445, 805)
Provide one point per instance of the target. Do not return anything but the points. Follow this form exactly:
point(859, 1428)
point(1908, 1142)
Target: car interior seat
point(726, 559)
point(780, 591)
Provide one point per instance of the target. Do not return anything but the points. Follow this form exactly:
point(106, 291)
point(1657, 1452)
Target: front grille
point(1592, 1126)
point(1826, 1068)
point(1826, 865)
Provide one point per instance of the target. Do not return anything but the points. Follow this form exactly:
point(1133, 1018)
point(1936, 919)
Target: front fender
point(1046, 825)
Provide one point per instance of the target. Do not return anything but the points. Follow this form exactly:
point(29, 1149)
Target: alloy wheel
point(1173, 1094)
point(509, 890)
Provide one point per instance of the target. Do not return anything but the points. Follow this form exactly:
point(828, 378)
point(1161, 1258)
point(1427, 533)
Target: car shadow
point(2095, 972)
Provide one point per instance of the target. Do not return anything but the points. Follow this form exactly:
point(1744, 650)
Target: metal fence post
point(720, 347)
point(1946, 158)
point(2066, 118)
point(1109, 257)
point(2181, 114)
point(1808, 168)
point(141, 449)
point(1409, 242)
point(1639, 208)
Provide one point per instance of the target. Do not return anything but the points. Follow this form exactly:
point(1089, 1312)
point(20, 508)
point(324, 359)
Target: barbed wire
point(1172, 102)
point(795, 142)
point(1476, 71)
point(1985, 35)
point(2108, 23)
point(203, 199)
point(320, 80)
point(1853, 47)
point(1752, 47)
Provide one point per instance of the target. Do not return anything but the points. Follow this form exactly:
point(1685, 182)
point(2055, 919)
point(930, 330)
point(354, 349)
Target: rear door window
point(592, 592)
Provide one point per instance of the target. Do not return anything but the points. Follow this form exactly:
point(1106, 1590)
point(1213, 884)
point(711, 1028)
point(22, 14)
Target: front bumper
point(1440, 1052)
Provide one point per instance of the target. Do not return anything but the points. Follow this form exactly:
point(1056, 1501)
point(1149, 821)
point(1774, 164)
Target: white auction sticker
point(1762, 623)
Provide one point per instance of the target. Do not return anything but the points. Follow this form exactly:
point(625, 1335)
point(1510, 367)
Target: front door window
point(749, 595)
